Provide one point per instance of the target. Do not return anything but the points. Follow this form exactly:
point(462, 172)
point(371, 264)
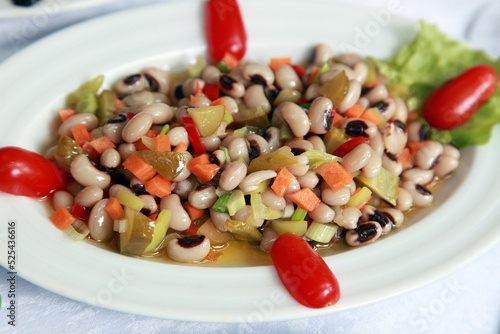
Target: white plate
point(460, 227)
point(44, 7)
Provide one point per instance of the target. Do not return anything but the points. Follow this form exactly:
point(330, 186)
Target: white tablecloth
point(467, 301)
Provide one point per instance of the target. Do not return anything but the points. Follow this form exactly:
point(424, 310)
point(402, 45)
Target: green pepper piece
point(87, 103)
point(106, 106)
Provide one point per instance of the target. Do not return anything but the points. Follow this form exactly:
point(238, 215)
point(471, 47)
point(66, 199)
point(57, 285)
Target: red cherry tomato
point(455, 102)
point(224, 29)
point(26, 173)
point(303, 272)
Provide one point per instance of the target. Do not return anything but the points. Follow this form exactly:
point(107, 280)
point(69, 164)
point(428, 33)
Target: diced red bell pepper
point(348, 146)
point(80, 212)
point(193, 135)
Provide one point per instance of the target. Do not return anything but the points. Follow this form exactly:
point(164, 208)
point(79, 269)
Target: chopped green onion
point(120, 225)
point(228, 118)
point(223, 67)
point(78, 230)
point(226, 152)
point(299, 214)
point(165, 129)
point(321, 232)
point(221, 204)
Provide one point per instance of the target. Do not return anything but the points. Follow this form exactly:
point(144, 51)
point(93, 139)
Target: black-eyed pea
point(363, 234)
point(100, 222)
point(150, 205)
point(376, 93)
point(188, 249)
point(161, 112)
point(203, 197)
point(131, 84)
point(404, 201)
point(178, 135)
point(308, 180)
point(395, 137)
point(231, 104)
point(252, 180)
point(258, 145)
point(185, 173)
point(89, 196)
point(183, 188)
point(289, 210)
point(352, 187)
point(63, 198)
point(273, 138)
point(301, 167)
point(259, 74)
point(86, 174)
point(233, 175)
point(180, 219)
point(391, 164)
point(451, 151)
point(97, 133)
point(270, 199)
point(211, 143)
point(161, 98)
point(287, 78)
point(349, 59)
point(293, 186)
point(373, 166)
point(445, 166)
point(296, 118)
point(139, 99)
point(318, 143)
point(190, 86)
point(334, 69)
point(336, 198)
point(421, 195)
point(227, 140)
point(125, 150)
point(269, 236)
point(348, 217)
point(357, 127)
point(312, 91)
point(219, 219)
point(418, 175)
point(245, 213)
point(299, 146)
point(110, 158)
point(255, 97)
point(158, 80)
point(370, 213)
point(387, 107)
point(353, 93)
point(322, 54)
point(322, 214)
point(417, 132)
point(364, 102)
point(114, 131)
point(231, 86)
point(360, 69)
point(428, 155)
point(137, 127)
point(89, 120)
point(357, 158)
point(401, 112)
point(238, 147)
point(217, 157)
point(320, 114)
point(200, 101)
point(395, 215)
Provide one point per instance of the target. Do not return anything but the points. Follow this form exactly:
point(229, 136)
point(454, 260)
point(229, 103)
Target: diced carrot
point(202, 159)
point(159, 186)
point(337, 118)
point(101, 144)
point(355, 111)
point(299, 69)
point(62, 218)
point(205, 172)
point(152, 133)
point(336, 176)
point(372, 115)
point(191, 230)
point(64, 114)
point(81, 134)
point(119, 104)
point(282, 182)
point(162, 143)
point(305, 199)
point(198, 89)
point(180, 147)
point(313, 75)
point(153, 216)
point(220, 101)
point(114, 208)
point(194, 213)
point(277, 62)
point(415, 146)
point(195, 99)
point(412, 115)
point(404, 157)
point(230, 60)
point(374, 82)
point(94, 155)
point(140, 168)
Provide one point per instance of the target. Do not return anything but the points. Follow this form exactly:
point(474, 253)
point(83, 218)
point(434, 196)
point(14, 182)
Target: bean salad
point(239, 153)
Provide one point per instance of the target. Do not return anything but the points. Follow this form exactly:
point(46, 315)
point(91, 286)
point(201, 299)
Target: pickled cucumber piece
point(87, 103)
point(336, 88)
point(256, 117)
point(298, 227)
point(209, 230)
point(235, 202)
point(139, 233)
point(207, 119)
point(167, 164)
point(106, 106)
point(287, 94)
point(333, 139)
point(262, 211)
point(360, 197)
point(317, 158)
point(243, 230)
point(275, 160)
point(385, 185)
point(92, 85)
point(67, 149)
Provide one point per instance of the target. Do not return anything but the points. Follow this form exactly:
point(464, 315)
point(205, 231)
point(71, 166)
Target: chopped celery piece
point(106, 106)
point(92, 85)
point(221, 204)
point(87, 103)
point(321, 232)
point(129, 200)
point(66, 150)
point(209, 230)
point(165, 129)
point(226, 153)
point(207, 119)
point(324, 68)
point(228, 118)
point(262, 211)
point(287, 94)
point(243, 230)
point(360, 197)
point(298, 227)
point(78, 230)
point(285, 132)
point(235, 202)
point(385, 185)
point(196, 68)
point(223, 67)
point(317, 158)
point(276, 160)
point(161, 225)
point(299, 214)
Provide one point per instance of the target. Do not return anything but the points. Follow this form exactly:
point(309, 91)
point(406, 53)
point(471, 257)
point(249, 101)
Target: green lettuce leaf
point(427, 62)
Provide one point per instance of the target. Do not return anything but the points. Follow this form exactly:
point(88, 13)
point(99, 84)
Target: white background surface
point(467, 301)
